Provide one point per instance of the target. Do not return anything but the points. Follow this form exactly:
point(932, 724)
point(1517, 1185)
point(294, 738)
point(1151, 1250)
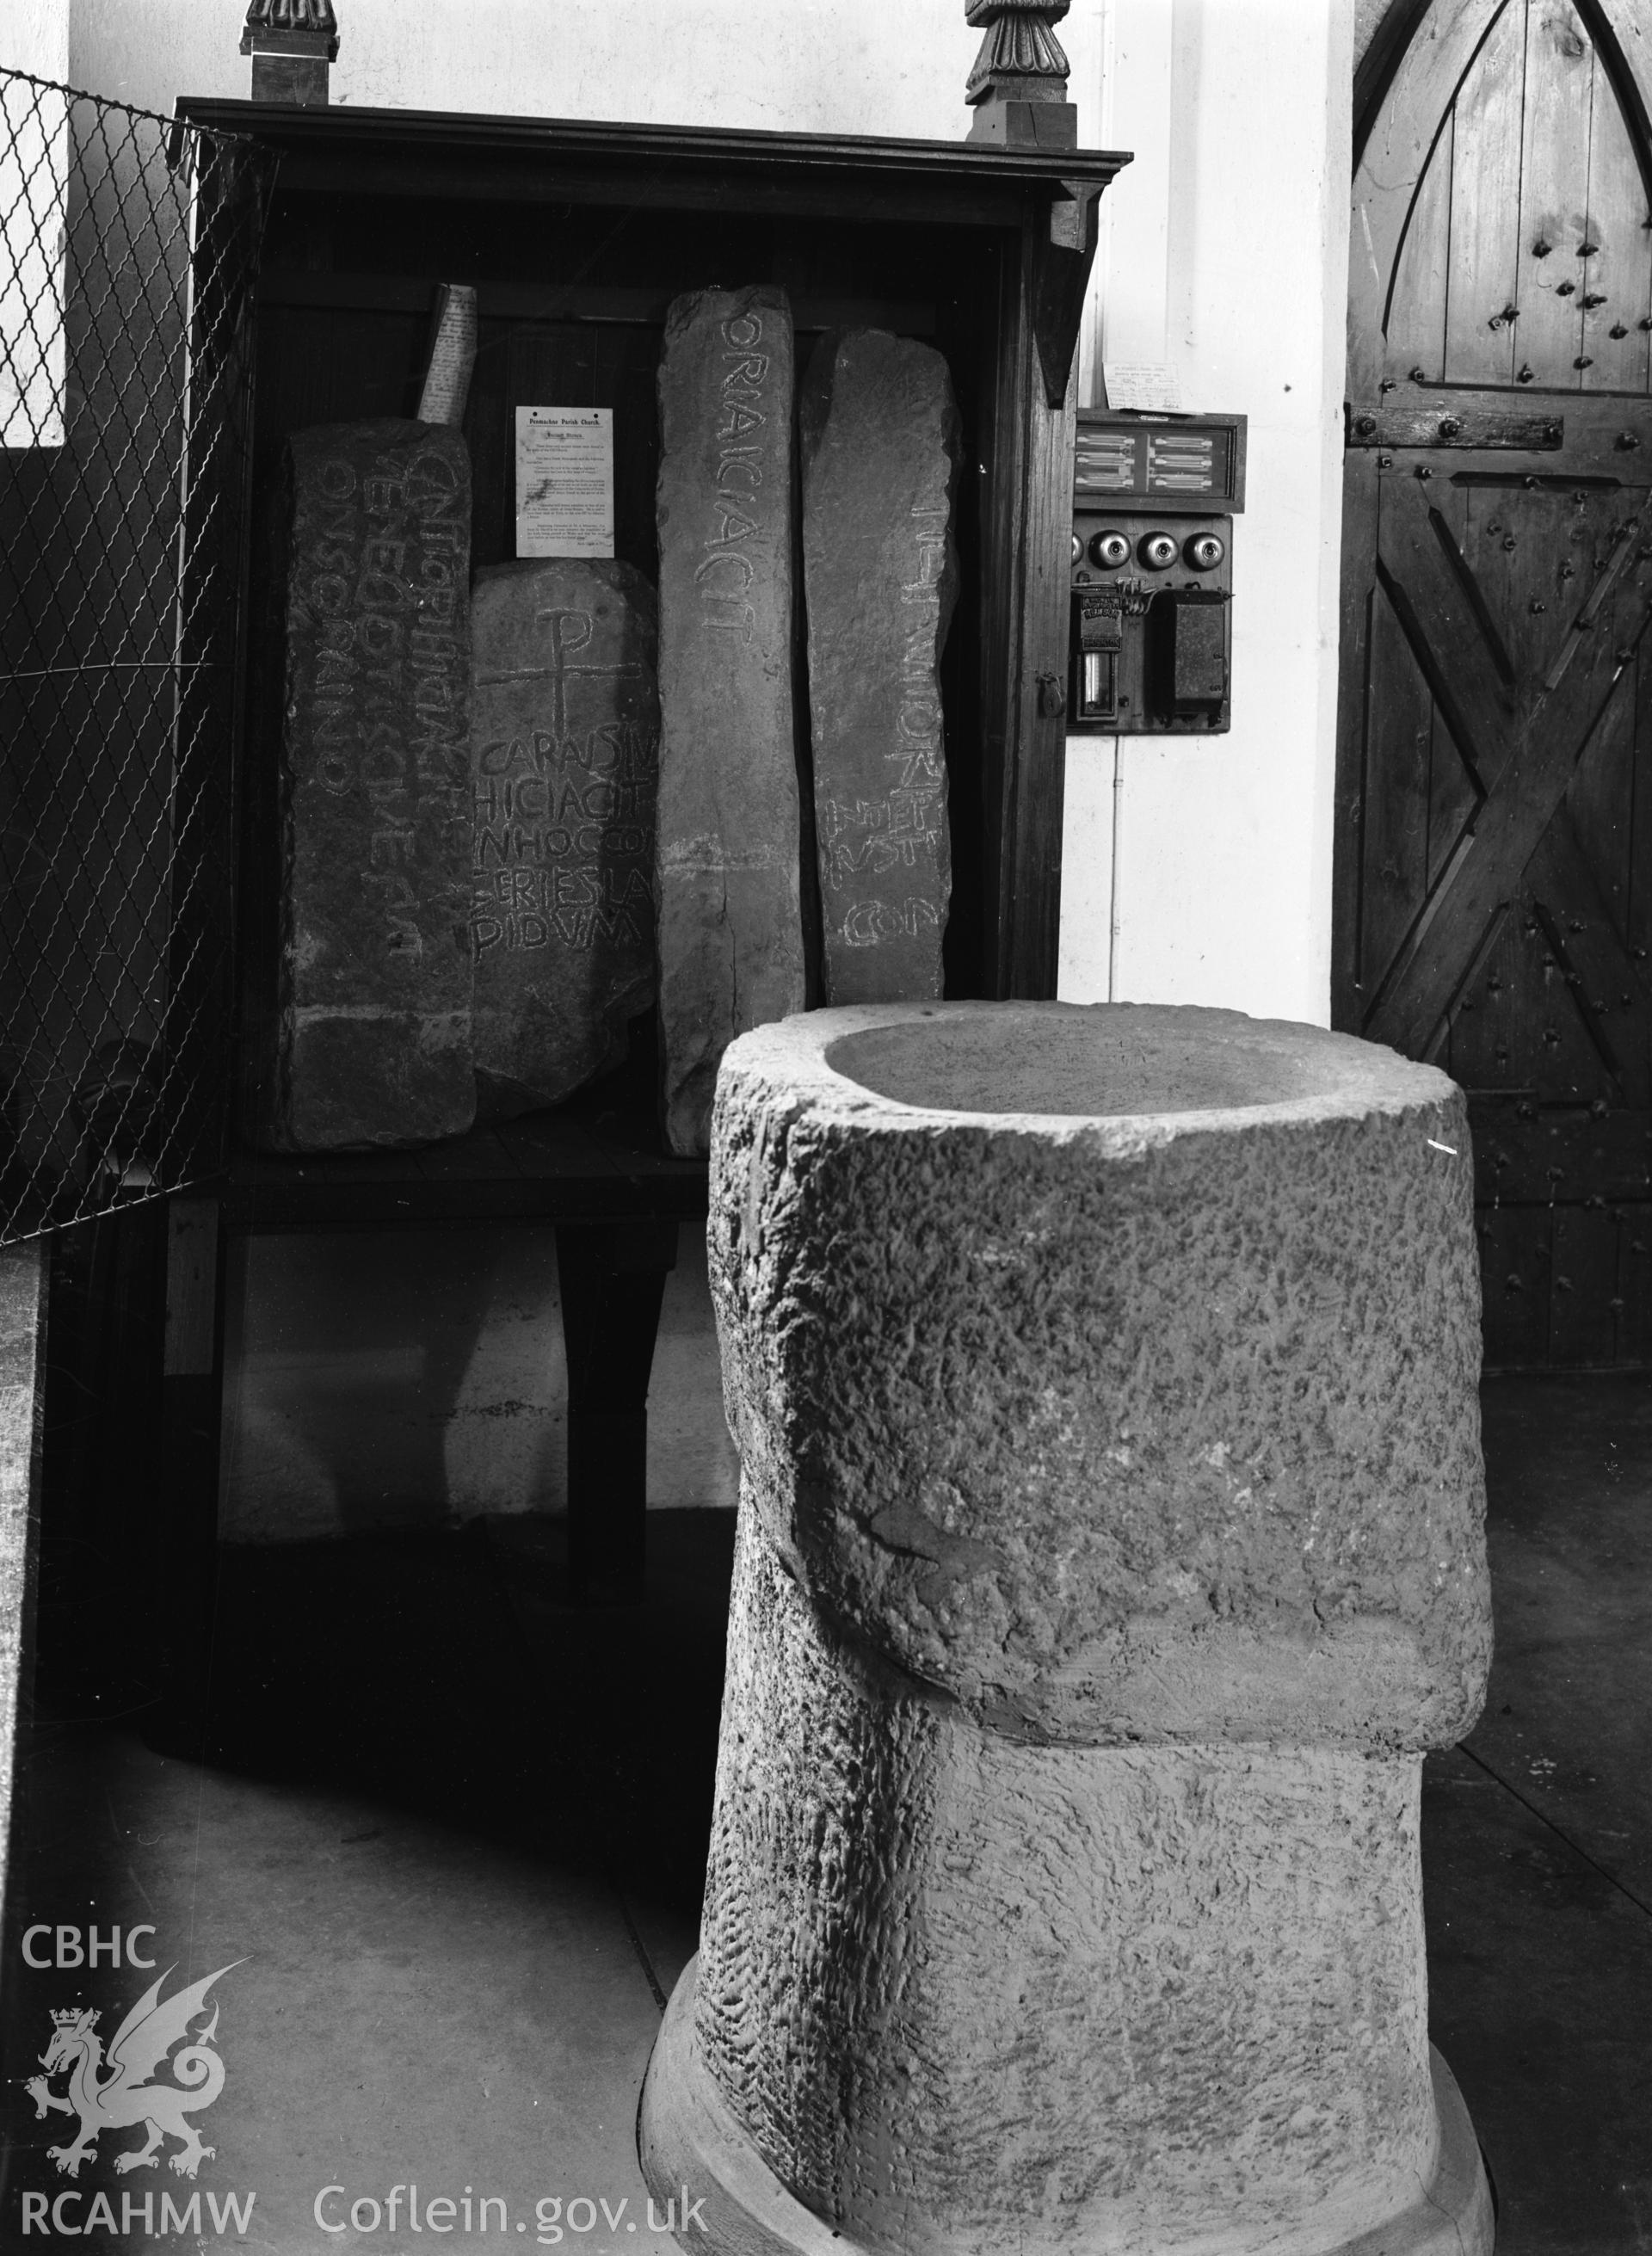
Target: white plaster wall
point(34, 36)
point(1198, 870)
point(806, 66)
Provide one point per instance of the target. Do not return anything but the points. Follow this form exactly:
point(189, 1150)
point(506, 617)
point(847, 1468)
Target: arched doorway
point(1493, 881)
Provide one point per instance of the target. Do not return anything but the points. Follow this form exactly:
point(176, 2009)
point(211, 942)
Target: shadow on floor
point(449, 1675)
point(444, 1856)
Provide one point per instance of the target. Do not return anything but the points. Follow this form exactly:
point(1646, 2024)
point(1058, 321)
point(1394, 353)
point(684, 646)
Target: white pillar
point(1225, 253)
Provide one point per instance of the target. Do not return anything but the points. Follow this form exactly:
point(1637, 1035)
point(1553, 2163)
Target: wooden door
point(1494, 879)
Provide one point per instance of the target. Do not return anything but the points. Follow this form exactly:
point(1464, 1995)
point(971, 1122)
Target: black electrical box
point(1154, 501)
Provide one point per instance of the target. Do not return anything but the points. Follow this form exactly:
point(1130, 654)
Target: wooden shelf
point(548, 1166)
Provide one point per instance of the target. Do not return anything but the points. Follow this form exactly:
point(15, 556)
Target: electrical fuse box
point(1154, 497)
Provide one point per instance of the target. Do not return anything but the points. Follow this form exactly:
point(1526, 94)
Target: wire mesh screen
point(128, 249)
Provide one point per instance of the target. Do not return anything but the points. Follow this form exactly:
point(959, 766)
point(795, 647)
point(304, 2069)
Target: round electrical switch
point(1109, 550)
point(1158, 550)
point(1204, 551)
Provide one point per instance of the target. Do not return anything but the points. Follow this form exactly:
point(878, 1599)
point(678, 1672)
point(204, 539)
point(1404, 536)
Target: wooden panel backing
point(1395, 149)
point(1515, 1263)
point(1555, 191)
point(1500, 201)
point(1617, 279)
point(975, 293)
point(1482, 230)
point(1416, 314)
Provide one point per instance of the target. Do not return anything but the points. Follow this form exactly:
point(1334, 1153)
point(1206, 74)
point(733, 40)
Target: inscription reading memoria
point(382, 574)
point(880, 444)
point(372, 1015)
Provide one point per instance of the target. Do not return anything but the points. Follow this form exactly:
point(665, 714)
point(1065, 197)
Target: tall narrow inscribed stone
point(565, 736)
point(880, 436)
point(730, 923)
point(371, 1033)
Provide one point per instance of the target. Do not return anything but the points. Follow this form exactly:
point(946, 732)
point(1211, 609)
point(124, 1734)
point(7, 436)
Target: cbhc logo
point(70, 1951)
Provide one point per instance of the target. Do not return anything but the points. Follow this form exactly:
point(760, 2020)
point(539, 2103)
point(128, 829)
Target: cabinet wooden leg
point(191, 1396)
point(612, 1278)
point(97, 1468)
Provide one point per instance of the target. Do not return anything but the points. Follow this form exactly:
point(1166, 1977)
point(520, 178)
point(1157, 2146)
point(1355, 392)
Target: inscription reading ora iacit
point(731, 922)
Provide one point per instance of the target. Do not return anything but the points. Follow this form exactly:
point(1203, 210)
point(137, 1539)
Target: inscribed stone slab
point(564, 736)
point(878, 434)
point(372, 1034)
point(730, 925)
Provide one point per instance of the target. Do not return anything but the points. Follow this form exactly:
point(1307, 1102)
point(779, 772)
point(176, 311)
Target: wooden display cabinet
point(576, 237)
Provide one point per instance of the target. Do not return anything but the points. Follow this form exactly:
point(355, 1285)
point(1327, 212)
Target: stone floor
point(449, 1850)
point(1537, 1832)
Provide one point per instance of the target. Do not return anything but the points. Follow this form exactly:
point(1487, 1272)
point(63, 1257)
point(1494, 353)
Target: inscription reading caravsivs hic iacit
point(564, 834)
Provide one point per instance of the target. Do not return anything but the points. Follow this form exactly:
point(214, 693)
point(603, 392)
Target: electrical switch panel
point(1153, 502)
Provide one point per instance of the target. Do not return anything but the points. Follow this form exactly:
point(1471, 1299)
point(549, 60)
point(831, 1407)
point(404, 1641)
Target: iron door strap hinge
point(1453, 427)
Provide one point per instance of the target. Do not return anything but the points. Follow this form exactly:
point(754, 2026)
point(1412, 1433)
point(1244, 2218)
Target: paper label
point(1143, 383)
point(564, 481)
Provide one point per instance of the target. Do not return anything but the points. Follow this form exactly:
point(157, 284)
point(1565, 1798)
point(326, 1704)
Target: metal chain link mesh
point(127, 250)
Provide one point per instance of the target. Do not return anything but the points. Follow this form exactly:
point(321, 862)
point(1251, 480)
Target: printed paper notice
point(1142, 385)
point(564, 481)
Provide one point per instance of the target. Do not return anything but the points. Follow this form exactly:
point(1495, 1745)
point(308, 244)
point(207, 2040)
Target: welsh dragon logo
point(126, 2096)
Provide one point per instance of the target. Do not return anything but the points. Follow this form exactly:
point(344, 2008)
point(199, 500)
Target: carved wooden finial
point(1018, 87)
point(292, 43)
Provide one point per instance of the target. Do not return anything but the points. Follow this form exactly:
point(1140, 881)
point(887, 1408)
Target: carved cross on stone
point(1018, 87)
point(567, 632)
